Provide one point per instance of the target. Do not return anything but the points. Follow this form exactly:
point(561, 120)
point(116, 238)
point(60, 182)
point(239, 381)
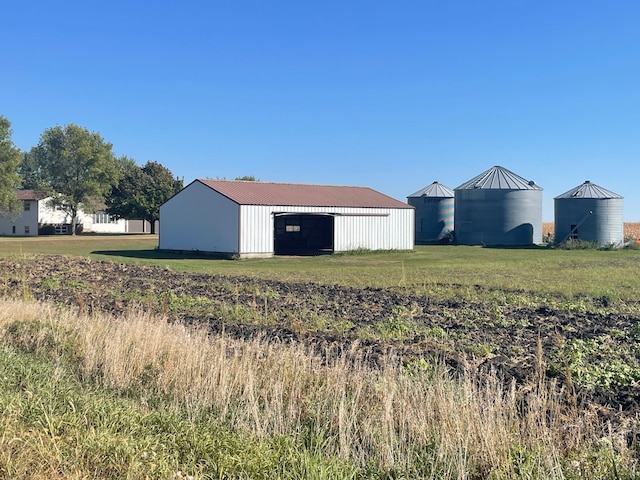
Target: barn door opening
point(303, 234)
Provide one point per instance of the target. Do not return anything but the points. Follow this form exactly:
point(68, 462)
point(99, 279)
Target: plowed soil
point(517, 338)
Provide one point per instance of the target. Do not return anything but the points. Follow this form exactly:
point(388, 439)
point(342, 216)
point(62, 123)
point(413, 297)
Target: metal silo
point(433, 213)
point(589, 213)
point(498, 207)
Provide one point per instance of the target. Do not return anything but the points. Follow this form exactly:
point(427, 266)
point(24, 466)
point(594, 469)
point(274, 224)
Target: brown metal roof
point(28, 195)
point(295, 194)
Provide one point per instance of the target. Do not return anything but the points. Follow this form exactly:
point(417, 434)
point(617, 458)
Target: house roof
point(303, 195)
point(28, 195)
point(499, 178)
point(435, 190)
point(589, 190)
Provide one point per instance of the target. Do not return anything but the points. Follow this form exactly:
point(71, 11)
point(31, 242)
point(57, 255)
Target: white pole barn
point(260, 219)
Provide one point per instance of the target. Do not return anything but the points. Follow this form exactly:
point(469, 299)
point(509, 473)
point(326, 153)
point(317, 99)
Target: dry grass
point(414, 419)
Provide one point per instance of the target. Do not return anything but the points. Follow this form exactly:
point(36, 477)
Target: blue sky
point(387, 94)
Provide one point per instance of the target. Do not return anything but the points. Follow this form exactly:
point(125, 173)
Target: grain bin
point(433, 213)
point(589, 213)
point(498, 207)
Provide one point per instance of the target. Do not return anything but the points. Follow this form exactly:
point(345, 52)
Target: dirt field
point(467, 336)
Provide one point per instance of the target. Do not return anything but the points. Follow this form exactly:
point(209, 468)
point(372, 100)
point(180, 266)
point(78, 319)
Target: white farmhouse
point(259, 219)
point(38, 216)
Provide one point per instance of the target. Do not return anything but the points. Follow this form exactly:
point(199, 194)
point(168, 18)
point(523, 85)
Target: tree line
point(77, 170)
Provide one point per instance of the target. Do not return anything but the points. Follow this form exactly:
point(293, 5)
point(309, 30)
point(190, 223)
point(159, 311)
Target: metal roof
point(589, 190)
point(499, 178)
point(296, 194)
point(435, 190)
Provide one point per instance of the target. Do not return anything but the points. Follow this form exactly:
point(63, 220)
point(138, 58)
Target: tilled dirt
point(522, 340)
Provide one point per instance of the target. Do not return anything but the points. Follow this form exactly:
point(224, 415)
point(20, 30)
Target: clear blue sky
point(387, 94)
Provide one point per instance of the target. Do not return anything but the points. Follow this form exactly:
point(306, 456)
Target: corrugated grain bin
point(589, 213)
point(433, 213)
point(498, 207)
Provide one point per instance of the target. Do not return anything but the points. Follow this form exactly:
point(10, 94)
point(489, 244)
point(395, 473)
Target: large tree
point(141, 191)
point(77, 168)
point(9, 163)
point(30, 170)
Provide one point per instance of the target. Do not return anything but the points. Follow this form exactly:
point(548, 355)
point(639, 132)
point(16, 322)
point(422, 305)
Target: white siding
point(27, 218)
point(88, 225)
point(374, 229)
point(199, 219)
point(48, 215)
point(256, 225)
point(354, 228)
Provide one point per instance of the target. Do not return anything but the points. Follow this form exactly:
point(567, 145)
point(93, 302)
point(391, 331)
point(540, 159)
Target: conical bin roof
point(589, 190)
point(435, 190)
point(499, 178)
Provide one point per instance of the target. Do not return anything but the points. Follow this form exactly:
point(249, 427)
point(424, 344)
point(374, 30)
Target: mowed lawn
point(435, 270)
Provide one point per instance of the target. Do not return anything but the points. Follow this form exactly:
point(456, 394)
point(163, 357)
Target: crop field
point(444, 362)
point(631, 230)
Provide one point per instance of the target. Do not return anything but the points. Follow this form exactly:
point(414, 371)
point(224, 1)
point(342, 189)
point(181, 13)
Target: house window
point(103, 218)
point(61, 230)
point(573, 233)
point(13, 229)
point(27, 205)
point(293, 228)
point(26, 229)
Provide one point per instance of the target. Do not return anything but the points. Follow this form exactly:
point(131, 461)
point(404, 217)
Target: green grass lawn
point(445, 271)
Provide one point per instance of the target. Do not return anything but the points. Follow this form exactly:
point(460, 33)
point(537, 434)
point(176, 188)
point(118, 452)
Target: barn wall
point(256, 227)
point(355, 228)
point(374, 229)
point(199, 219)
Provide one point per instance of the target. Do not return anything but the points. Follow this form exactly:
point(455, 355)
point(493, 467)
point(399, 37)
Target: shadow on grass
point(155, 254)
point(520, 247)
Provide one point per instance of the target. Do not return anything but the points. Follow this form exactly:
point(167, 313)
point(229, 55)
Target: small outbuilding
point(498, 207)
point(434, 213)
point(589, 213)
point(259, 219)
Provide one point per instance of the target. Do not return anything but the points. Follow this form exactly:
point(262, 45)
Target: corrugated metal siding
point(498, 217)
point(368, 228)
point(385, 229)
point(434, 218)
point(256, 227)
point(599, 220)
point(198, 219)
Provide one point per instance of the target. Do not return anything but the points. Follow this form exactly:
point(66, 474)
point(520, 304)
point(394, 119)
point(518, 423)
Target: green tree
point(30, 170)
point(9, 164)
point(77, 168)
point(141, 191)
point(247, 178)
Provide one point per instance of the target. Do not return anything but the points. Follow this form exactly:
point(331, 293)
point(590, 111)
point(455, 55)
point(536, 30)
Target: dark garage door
point(303, 234)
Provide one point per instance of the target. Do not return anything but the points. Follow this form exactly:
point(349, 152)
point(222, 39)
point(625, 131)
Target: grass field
point(443, 271)
point(135, 396)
